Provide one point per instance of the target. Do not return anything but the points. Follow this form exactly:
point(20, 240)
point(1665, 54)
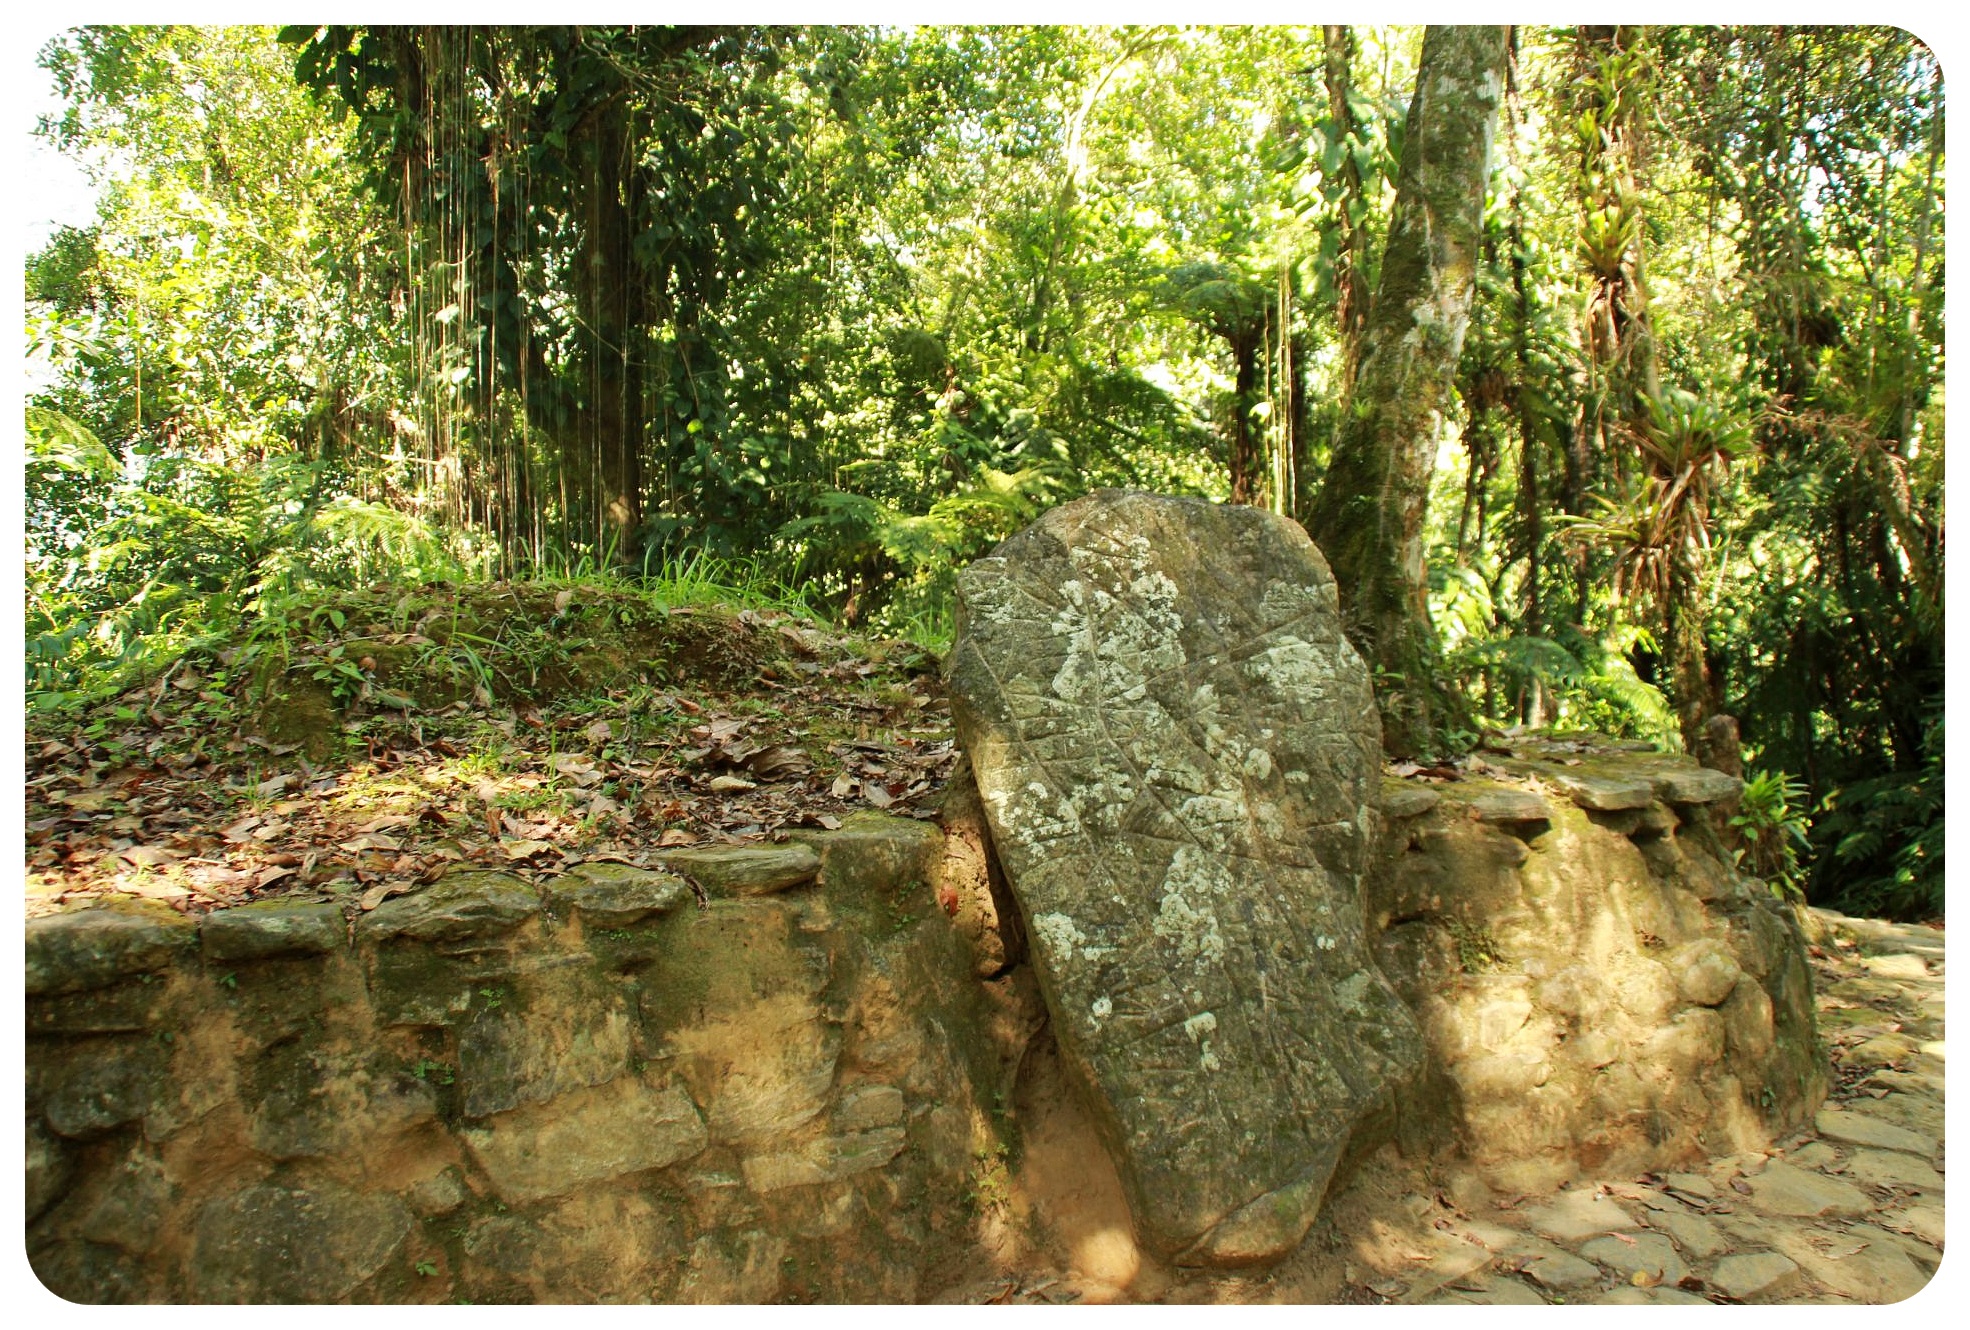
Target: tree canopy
point(848, 305)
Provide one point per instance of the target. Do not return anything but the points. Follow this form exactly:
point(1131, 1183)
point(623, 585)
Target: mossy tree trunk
point(1368, 517)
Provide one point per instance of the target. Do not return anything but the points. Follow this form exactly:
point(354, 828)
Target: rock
point(609, 895)
point(1891, 1168)
point(317, 1104)
point(276, 1244)
point(968, 883)
point(50, 1168)
point(869, 1106)
point(1507, 804)
point(747, 870)
point(439, 1194)
point(1864, 1264)
point(129, 1212)
point(1176, 745)
point(1574, 1215)
point(1755, 1274)
point(1697, 1236)
point(874, 853)
point(1630, 1296)
point(1648, 1254)
point(1854, 1128)
point(1896, 967)
point(1400, 799)
point(828, 1159)
point(1818, 1155)
point(586, 1136)
point(1562, 1270)
point(90, 1273)
point(559, 1042)
point(273, 928)
point(734, 1268)
point(1705, 971)
point(1696, 785)
point(1498, 1291)
point(106, 1085)
point(79, 950)
point(1748, 1018)
point(1658, 819)
point(1781, 1189)
point(1693, 1184)
point(1924, 1220)
point(464, 907)
point(1604, 793)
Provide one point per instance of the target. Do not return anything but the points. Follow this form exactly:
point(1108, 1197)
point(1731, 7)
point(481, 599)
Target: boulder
point(79, 950)
point(465, 907)
point(279, 1244)
point(1177, 748)
point(746, 870)
point(611, 896)
point(266, 929)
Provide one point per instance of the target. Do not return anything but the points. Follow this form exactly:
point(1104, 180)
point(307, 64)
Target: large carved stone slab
point(1175, 745)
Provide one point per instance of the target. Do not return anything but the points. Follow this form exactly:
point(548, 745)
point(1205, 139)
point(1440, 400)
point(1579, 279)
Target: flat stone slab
point(1695, 785)
point(1840, 1124)
point(1648, 1254)
point(586, 1136)
point(266, 929)
point(1781, 1189)
point(1755, 1274)
point(1562, 1271)
point(79, 950)
point(1603, 793)
point(608, 895)
point(464, 907)
point(1400, 799)
point(276, 1244)
point(1176, 747)
point(1892, 1168)
point(1574, 1215)
point(1506, 804)
point(747, 870)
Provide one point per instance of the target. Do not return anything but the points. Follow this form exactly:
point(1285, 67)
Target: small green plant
point(991, 1180)
point(229, 980)
point(427, 1268)
point(1477, 951)
point(1772, 818)
point(428, 1069)
point(493, 997)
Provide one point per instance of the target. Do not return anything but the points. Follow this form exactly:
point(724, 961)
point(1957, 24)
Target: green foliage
point(1772, 818)
point(1881, 841)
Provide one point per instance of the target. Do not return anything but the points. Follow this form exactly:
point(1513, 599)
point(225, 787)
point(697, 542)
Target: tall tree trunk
point(1368, 518)
point(1351, 258)
point(612, 289)
point(1247, 464)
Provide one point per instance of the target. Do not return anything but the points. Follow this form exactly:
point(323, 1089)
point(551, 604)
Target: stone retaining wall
point(602, 1088)
point(591, 1090)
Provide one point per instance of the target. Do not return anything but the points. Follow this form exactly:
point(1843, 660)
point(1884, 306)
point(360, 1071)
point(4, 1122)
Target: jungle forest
point(1603, 364)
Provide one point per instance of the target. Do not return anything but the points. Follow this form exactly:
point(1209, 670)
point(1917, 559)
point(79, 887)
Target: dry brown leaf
point(729, 784)
point(149, 856)
point(271, 876)
point(676, 836)
point(381, 892)
point(876, 794)
point(600, 732)
point(844, 786)
point(524, 849)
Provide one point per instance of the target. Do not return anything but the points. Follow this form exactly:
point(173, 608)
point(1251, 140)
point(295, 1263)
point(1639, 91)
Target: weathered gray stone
point(276, 1244)
point(1630, 1296)
point(609, 895)
point(314, 1104)
point(1562, 1270)
point(869, 1106)
point(1842, 1124)
point(1781, 1189)
point(1705, 971)
point(1763, 1274)
point(1891, 1168)
point(1603, 793)
point(1697, 1236)
point(1695, 785)
point(1401, 799)
point(1628, 1254)
point(1508, 804)
point(561, 1042)
point(1574, 1215)
point(827, 1159)
point(105, 1085)
point(273, 928)
point(50, 1166)
point(873, 852)
point(439, 1194)
point(1176, 745)
point(586, 1136)
point(464, 907)
point(746, 870)
point(78, 950)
